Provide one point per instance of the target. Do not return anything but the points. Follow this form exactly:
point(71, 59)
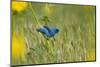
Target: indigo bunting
point(48, 32)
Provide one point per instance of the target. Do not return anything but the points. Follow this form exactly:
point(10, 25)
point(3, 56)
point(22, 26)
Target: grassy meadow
point(75, 40)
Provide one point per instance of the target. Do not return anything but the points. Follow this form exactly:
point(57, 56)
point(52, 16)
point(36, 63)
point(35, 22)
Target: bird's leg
point(45, 37)
point(54, 39)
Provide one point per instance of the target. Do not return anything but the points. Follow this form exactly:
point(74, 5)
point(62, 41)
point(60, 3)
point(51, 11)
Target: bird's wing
point(50, 30)
point(44, 31)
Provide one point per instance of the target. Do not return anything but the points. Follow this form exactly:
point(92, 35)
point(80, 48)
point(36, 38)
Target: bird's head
point(56, 30)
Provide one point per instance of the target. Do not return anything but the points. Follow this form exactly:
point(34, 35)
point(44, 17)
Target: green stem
point(33, 14)
point(50, 47)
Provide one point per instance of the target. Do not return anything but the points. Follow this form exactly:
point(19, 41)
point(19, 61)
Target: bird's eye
point(57, 30)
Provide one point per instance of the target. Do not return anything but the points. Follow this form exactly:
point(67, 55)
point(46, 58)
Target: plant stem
point(33, 14)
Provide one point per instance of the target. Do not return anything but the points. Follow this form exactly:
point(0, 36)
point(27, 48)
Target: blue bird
point(48, 32)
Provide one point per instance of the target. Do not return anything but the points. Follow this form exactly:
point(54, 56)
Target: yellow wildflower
point(19, 6)
point(18, 49)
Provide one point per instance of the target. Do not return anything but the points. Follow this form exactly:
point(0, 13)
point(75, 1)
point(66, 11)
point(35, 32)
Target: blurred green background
point(74, 42)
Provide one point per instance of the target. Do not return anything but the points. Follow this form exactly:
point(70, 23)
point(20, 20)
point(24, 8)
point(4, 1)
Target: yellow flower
point(18, 49)
point(19, 6)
